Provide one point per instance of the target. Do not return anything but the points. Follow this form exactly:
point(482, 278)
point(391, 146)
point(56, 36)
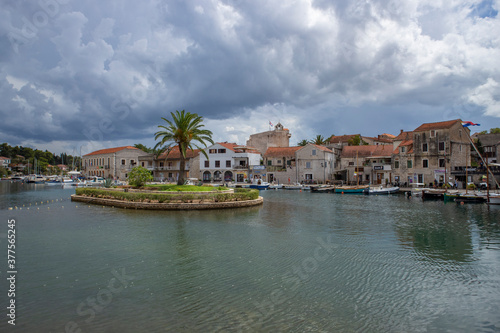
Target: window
point(351, 163)
point(314, 152)
point(212, 151)
point(228, 164)
point(433, 133)
point(420, 178)
point(441, 145)
point(143, 164)
point(409, 164)
point(161, 164)
point(207, 164)
point(402, 149)
point(425, 163)
point(308, 165)
point(123, 162)
point(217, 164)
point(442, 163)
point(279, 161)
point(269, 162)
point(396, 164)
point(425, 147)
point(221, 151)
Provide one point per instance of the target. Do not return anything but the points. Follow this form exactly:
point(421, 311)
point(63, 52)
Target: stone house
point(111, 162)
point(279, 137)
point(434, 150)
point(166, 168)
point(281, 164)
point(228, 162)
point(307, 164)
point(491, 145)
point(366, 164)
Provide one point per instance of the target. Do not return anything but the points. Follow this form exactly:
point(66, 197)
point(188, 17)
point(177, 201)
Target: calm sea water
point(302, 262)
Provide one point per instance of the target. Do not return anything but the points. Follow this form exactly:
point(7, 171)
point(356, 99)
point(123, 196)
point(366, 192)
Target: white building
point(228, 162)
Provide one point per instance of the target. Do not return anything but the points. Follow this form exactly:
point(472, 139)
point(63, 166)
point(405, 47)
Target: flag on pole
point(469, 123)
point(270, 123)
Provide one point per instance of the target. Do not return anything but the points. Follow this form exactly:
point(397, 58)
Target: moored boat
point(379, 190)
point(259, 184)
point(357, 189)
point(433, 194)
point(470, 198)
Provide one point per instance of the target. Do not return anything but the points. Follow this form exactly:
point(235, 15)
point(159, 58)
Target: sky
point(85, 75)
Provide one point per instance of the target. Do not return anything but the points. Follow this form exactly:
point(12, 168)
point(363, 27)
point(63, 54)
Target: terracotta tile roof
point(404, 136)
point(110, 150)
point(387, 135)
point(323, 148)
point(438, 125)
point(281, 151)
point(4, 158)
point(405, 143)
point(378, 139)
point(176, 154)
point(366, 151)
point(238, 148)
point(342, 138)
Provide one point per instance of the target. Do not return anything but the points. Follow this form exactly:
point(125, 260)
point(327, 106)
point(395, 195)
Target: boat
point(470, 198)
point(18, 178)
point(293, 186)
point(95, 181)
point(379, 190)
point(322, 189)
point(451, 195)
point(35, 179)
point(275, 186)
point(356, 189)
point(433, 194)
point(259, 184)
point(494, 199)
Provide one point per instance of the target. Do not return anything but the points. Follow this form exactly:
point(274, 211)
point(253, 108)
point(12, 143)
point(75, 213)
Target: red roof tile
point(404, 136)
point(405, 143)
point(323, 148)
point(438, 125)
point(367, 151)
point(281, 151)
point(110, 150)
point(175, 153)
point(342, 138)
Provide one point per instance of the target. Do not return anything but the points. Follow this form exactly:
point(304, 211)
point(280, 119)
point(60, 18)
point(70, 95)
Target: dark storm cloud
point(107, 71)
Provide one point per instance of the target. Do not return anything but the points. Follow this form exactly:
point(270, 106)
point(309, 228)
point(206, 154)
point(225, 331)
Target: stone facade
point(308, 164)
point(315, 164)
point(279, 137)
point(366, 164)
point(113, 163)
point(431, 153)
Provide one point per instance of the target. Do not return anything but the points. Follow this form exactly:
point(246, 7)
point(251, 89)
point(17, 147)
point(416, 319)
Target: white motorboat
point(379, 190)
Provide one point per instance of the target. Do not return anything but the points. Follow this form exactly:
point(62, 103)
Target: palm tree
point(318, 140)
point(185, 128)
point(302, 143)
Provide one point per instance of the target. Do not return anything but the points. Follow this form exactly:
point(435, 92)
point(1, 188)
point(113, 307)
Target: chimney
point(401, 132)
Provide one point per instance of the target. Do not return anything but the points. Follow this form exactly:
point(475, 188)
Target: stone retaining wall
point(166, 206)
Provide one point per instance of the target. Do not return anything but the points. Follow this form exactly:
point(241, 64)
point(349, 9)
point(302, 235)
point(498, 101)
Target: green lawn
point(185, 188)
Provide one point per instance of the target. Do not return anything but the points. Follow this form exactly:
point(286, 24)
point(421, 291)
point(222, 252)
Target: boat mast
point(482, 159)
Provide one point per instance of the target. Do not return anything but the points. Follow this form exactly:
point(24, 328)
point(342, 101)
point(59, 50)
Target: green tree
point(357, 141)
point(143, 148)
point(302, 143)
point(138, 176)
point(495, 130)
point(318, 140)
point(185, 129)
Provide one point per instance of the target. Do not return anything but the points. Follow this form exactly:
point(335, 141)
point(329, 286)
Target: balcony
point(240, 167)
